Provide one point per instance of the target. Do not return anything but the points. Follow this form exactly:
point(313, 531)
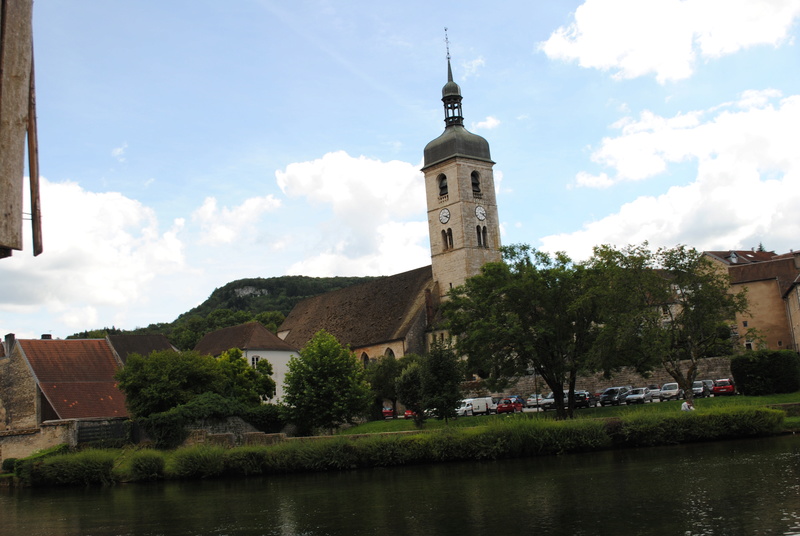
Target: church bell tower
point(463, 222)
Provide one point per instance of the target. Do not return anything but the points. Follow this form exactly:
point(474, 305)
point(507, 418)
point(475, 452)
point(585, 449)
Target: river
point(746, 487)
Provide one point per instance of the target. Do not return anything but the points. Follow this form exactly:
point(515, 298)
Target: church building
point(397, 315)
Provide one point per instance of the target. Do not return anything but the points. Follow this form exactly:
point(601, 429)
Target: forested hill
point(267, 300)
point(260, 294)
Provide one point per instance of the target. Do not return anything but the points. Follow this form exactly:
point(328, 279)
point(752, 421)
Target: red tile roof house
point(256, 342)
point(59, 391)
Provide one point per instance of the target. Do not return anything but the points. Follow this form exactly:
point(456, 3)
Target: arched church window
point(476, 182)
point(444, 239)
point(388, 353)
point(364, 359)
point(485, 237)
point(450, 238)
point(480, 236)
point(442, 178)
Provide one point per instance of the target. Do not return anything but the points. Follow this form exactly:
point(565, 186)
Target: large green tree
point(249, 385)
point(442, 374)
point(165, 379)
point(325, 385)
point(669, 308)
point(532, 311)
point(382, 377)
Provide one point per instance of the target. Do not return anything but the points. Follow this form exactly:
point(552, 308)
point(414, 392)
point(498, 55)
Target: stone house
point(48, 387)
point(771, 282)
point(256, 343)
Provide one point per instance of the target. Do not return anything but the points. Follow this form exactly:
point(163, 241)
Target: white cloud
point(227, 225)
point(100, 250)
point(471, 68)
point(487, 124)
point(377, 208)
point(744, 193)
point(665, 37)
point(119, 152)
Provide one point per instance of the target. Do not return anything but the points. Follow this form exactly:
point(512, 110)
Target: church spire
point(451, 94)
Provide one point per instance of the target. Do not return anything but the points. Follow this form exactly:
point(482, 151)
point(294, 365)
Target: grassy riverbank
point(522, 435)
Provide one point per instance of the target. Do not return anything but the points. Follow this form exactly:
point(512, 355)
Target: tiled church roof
point(374, 312)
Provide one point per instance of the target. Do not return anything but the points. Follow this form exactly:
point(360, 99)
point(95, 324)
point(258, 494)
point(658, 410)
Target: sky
point(187, 144)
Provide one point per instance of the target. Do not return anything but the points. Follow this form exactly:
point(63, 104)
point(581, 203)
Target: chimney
point(9, 343)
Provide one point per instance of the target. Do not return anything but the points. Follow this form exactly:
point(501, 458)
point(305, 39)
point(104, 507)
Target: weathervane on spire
point(447, 43)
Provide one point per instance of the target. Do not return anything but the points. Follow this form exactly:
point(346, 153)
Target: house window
point(442, 179)
point(254, 360)
point(744, 324)
point(748, 345)
point(780, 343)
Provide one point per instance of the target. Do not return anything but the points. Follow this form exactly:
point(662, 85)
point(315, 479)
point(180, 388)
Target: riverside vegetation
point(487, 438)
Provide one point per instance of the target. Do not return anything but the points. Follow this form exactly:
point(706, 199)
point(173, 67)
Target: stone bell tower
point(463, 222)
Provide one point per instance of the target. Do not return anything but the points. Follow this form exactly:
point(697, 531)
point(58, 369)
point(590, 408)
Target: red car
point(388, 413)
point(409, 414)
point(509, 405)
point(723, 387)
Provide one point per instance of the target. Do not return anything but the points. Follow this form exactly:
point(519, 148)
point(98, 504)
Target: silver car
point(640, 395)
point(671, 391)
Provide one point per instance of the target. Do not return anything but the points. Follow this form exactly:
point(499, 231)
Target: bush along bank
point(516, 437)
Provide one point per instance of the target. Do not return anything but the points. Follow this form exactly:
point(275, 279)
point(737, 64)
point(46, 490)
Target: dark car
point(613, 396)
point(585, 399)
point(700, 390)
point(724, 387)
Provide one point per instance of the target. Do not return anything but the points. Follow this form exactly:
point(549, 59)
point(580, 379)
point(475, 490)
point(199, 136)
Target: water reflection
point(742, 487)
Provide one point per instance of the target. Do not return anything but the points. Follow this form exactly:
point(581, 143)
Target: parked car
point(640, 395)
point(519, 399)
point(533, 401)
point(509, 405)
point(464, 408)
point(585, 399)
point(700, 390)
point(614, 396)
point(409, 414)
point(655, 392)
point(671, 391)
point(724, 386)
point(388, 413)
point(710, 385)
point(548, 402)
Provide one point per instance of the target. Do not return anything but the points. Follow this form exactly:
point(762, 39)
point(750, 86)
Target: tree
point(532, 311)
point(409, 390)
point(382, 377)
point(442, 374)
point(166, 379)
point(325, 385)
point(249, 385)
point(667, 307)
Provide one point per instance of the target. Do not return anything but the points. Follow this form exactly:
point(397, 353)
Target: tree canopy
point(165, 379)
point(325, 385)
point(623, 307)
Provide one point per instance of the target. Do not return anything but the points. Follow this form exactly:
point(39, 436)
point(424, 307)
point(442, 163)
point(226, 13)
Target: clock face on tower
point(444, 215)
point(480, 213)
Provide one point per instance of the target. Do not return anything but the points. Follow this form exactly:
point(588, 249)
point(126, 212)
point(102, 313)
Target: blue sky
point(186, 144)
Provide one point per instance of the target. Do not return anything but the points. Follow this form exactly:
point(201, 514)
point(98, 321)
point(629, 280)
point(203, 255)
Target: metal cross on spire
point(447, 43)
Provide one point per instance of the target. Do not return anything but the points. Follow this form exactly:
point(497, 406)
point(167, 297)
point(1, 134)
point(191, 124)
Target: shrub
point(244, 461)
point(8, 465)
point(268, 418)
point(766, 372)
point(24, 467)
point(199, 462)
point(147, 465)
point(86, 468)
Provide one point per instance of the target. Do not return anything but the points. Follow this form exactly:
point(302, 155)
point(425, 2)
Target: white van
point(483, 405)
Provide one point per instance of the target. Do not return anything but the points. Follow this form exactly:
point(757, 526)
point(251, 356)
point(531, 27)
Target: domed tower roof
point(455, 140)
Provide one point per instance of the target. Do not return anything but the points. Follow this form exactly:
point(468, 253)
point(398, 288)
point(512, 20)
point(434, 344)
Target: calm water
point(743, 487)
